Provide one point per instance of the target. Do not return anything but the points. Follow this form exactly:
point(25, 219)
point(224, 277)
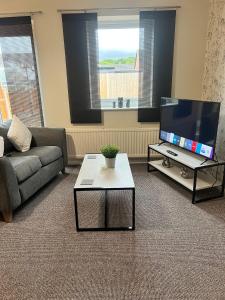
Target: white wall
point(190, 45)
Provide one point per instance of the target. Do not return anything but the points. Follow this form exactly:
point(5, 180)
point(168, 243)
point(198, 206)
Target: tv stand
point(203, 186)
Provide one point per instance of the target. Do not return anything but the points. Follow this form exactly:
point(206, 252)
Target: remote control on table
point(171, 152)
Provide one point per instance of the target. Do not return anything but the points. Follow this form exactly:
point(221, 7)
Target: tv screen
point(190, 124)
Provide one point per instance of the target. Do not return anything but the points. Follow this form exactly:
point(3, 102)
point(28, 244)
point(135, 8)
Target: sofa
point(22, 174)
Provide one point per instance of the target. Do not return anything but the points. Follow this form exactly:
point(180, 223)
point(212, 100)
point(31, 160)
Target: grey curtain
point(155, 61)
point(80, 39)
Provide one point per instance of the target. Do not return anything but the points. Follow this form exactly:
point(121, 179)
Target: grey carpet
point(176, 252)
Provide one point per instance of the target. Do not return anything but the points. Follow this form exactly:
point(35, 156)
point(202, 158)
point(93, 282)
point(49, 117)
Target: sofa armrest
point(44, 136)
point(9, 190)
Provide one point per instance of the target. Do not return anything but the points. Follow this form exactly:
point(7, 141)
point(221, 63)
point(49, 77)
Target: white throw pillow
point(19, 135)
point(1, 146)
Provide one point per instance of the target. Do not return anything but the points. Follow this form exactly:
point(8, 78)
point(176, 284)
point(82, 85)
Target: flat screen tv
point(190, 124)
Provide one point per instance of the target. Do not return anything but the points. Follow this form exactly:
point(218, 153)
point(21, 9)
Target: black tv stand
point(202, 185)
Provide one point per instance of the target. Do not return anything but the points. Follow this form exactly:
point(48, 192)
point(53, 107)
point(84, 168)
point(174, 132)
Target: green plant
point(109, 151)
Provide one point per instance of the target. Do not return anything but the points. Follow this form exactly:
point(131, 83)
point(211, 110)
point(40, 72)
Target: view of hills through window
point(118, 67)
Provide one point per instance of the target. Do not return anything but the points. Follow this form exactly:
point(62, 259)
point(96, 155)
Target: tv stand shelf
point(201, 182)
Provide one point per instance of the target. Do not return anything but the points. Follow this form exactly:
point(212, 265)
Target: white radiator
point(132, 141)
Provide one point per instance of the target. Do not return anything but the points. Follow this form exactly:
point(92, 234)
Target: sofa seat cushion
point(46, 154)
point(39, 179)
point(25, 166)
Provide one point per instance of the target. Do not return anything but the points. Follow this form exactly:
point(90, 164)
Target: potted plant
point(110, 152)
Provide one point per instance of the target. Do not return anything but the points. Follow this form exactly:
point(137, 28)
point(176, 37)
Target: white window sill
point(120, 109)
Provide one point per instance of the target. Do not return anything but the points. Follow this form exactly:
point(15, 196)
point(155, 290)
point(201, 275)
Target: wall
point(213, 88)
point(188, 63)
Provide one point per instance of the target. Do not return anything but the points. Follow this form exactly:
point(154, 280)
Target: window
point(118, 65)
point(19, 88)
point(116, 62)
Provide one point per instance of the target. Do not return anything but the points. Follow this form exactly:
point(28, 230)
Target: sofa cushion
point(46, 154)
point(19, 135)
point(39, 179)
point(25, 166)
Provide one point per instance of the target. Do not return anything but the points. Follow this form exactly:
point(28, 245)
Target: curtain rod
point(22, 13)
point(117, 8)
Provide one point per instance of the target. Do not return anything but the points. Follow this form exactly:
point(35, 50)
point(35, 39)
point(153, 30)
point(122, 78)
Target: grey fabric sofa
point(23, 174)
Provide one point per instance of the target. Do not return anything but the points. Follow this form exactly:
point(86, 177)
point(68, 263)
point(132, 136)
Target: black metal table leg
point(148, 166)
point(223, 182)
point(133, 209)
point(194, 186)
point(76, 210)
point(106, 227)
point(106, 208)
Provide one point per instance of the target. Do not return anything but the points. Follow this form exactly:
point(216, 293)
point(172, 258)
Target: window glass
point(19, 88)
point(118, 67)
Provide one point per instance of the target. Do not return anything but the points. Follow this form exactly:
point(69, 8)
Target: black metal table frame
point(106, 228)
point(195, 170)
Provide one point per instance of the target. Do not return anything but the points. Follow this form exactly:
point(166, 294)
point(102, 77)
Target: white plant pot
point(1, 146)
point(110, 162)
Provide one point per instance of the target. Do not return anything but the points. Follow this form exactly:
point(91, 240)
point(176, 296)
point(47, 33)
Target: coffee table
point(94, 176)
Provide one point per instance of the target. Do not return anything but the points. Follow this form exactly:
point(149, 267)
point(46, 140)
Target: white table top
point(95, 169)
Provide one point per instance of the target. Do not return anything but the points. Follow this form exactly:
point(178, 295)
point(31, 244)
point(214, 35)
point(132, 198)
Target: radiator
point(132, 141)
